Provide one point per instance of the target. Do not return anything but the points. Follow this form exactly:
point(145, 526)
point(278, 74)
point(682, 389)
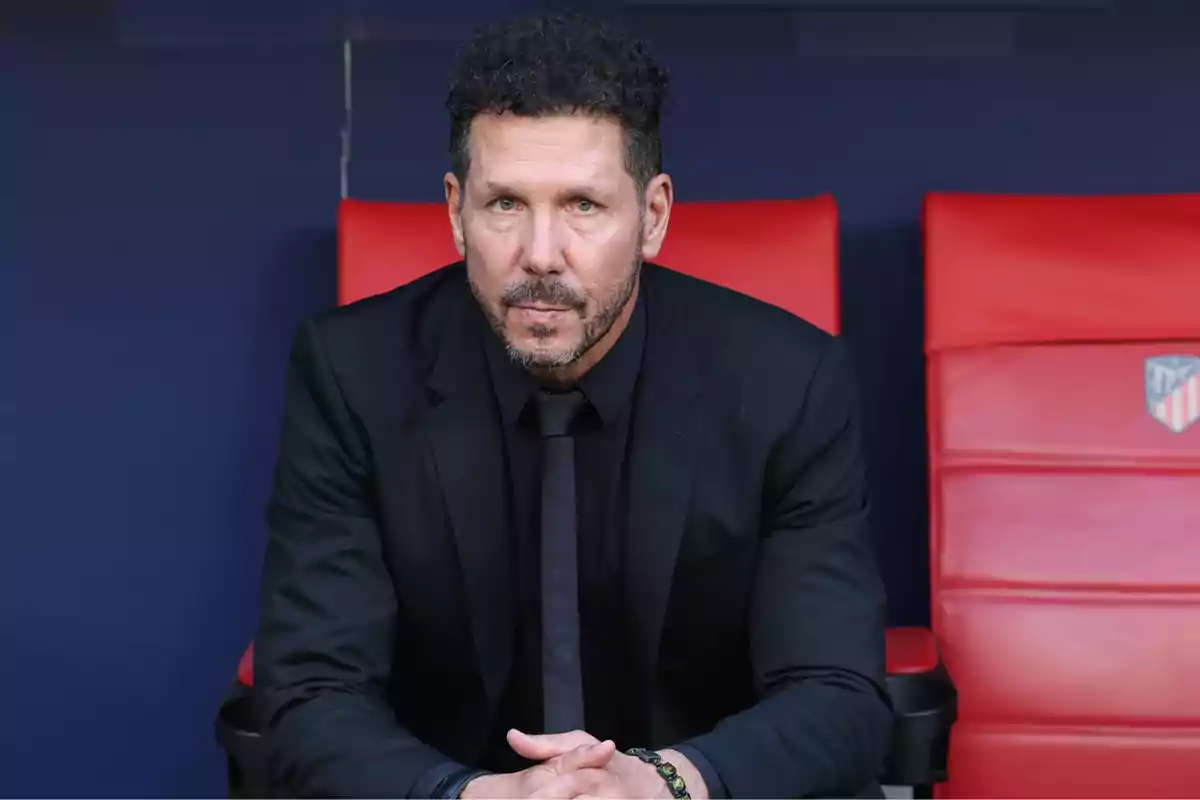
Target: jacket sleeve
point(327, 608)
point(818, 617)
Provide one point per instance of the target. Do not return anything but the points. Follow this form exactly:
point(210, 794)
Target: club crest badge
point(1173, 390)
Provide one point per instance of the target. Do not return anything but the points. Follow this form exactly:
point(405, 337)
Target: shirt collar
point(608, 386)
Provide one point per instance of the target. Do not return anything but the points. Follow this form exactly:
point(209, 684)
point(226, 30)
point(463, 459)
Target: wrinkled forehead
point(545, 151)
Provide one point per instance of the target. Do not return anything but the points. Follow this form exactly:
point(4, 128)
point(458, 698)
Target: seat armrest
point(926, 707)
point(245, 667)
point(239, 735)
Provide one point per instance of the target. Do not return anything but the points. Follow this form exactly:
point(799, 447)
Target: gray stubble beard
point(594, 329)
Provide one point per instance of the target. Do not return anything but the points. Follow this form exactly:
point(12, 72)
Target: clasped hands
point(576, 764)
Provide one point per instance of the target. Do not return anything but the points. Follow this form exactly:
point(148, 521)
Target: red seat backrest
point(1063, 344)
point(781, 251)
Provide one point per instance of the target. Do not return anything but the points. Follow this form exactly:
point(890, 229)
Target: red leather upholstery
point(780, 251)
point(783, 251)
point(245, 667)
point(911, 650)
point(1065, 548)
point(385, 245)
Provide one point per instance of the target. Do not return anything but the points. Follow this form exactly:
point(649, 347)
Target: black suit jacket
point(387, 605)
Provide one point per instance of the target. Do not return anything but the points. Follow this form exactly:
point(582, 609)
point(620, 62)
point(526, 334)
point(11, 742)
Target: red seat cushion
point(1064, 358)
point(911, 650)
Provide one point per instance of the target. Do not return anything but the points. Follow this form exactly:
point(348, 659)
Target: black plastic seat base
point(245, 749)
point(926, 707)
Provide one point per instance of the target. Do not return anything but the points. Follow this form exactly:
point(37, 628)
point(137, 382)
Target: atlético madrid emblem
point(1173, 390)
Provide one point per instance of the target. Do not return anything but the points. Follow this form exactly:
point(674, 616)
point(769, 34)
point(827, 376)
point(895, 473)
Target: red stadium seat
point(781, 251)
point(1063, 345)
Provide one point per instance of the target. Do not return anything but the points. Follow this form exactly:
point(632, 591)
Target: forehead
point(571, 148)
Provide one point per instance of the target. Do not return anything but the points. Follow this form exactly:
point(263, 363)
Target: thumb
point(543, 747)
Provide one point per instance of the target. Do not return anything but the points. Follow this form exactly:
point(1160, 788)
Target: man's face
point(552, 229)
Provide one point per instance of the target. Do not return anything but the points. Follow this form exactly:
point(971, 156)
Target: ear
point(454, 209)
point(659, 197)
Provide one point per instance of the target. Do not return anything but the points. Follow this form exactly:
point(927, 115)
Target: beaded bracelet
point(665, 769)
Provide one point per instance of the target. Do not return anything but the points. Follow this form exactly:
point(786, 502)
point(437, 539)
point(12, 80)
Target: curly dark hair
point(560, 63)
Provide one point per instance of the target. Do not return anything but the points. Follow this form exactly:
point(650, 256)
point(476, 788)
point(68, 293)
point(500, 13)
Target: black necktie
point(562, 681)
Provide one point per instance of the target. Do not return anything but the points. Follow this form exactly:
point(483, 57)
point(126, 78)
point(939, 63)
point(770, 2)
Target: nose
point(543, 245)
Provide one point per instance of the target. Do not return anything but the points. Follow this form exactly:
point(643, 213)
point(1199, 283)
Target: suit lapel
point(466, 439)
point(662, 463)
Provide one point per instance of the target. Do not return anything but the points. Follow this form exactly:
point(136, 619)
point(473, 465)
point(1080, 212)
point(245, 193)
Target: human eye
point(585, 205)
point(504, 204)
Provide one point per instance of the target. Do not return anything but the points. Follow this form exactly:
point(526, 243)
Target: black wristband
point(666, 771)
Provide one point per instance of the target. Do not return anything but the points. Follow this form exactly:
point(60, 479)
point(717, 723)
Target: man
point(664, 590)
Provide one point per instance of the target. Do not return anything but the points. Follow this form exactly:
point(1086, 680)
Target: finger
point(590, 756)
point(547, 746)
point(597, 782)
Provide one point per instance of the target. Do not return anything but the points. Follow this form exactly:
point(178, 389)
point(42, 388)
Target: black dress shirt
point(601, 443)
point(612, 709)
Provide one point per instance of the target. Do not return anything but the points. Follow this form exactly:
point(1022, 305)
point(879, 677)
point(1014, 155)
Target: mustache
point(550, 292)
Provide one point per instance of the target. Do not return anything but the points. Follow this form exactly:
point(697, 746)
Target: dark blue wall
point(170, 183)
